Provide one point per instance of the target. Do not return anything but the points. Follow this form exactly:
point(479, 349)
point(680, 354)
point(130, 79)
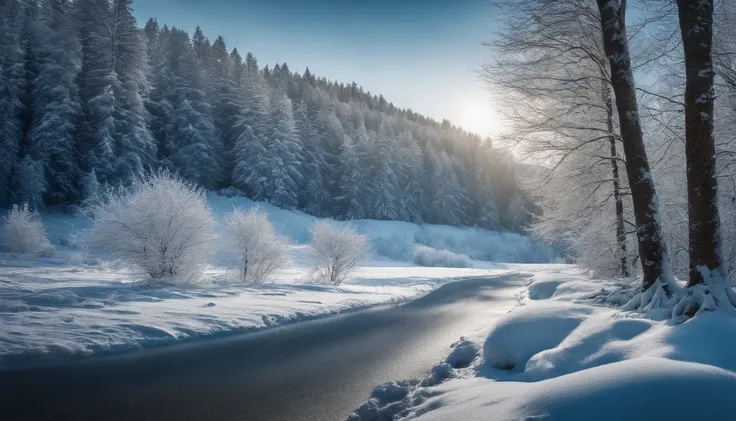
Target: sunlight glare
point(479, 117)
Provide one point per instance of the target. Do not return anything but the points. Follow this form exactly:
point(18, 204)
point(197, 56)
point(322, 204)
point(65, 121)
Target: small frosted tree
point(162, 224)
point(260, 250)
point(90, 190)
point(336, 251)
point(23, 232)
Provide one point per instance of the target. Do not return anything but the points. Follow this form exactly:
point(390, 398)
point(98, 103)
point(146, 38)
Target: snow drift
point(634, 390)
point(529, 330)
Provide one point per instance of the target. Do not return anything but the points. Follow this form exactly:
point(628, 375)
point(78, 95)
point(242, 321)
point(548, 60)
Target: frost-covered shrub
point(428, 256)
point(161, 224)
point(396, 247)
point(481, 244)
point(23, 232)
point(260, 250)
point(336, 251)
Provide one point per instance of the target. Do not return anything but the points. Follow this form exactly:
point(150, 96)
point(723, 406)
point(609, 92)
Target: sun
point(480, 117)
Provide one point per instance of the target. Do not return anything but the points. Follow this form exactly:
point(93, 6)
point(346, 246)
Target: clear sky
point(420, 54)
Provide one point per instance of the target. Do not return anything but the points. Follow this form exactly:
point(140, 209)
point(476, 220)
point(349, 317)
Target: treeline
point(87, 98)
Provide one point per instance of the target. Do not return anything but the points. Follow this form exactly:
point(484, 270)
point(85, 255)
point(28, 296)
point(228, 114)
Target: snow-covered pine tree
point(91, 190)
point(96, 129)
point(226, 98)
point(356, 191)
point(191, 131)
point(158, 101)
point(312, 188)
point(55, 105)
point(237, 67)
point(446, 204)
point(351, 182)
point(482, 197)
point(12, 88)
point(430, 162)
point(135, 149)
point(283, 155)
point(331, 136)
point(202, 50)
point(386, 197)
point(460, 169)
point(251, 64)
point(27, 183)
point(250, 131)
point(247, 176)
point(411, 174)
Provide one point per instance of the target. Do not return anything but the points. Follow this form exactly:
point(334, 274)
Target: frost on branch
point(162, 224)
point(23, 232)
point(336, 251)
point(259, 249)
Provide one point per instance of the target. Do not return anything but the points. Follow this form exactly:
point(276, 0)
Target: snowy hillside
point(74, 302)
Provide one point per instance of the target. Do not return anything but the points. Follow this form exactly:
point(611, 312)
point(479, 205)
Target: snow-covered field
point(567, 353)
point(73, 303)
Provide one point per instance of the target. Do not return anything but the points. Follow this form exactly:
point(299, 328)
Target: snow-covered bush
point(336, 250)
point(23, 232)
point(260, 250)
point(395, 247)
point(161, 224)
point(480, 244)
point(428, 256)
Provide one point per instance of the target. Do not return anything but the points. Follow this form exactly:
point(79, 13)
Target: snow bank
point(529, 330)
point(564, 282)
point(428, 256)
point(49, 309)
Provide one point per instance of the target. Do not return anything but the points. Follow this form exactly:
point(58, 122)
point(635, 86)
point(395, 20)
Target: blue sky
point(419, 54)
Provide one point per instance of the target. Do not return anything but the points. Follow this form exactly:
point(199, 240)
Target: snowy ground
point(75, 304)
point(561, 356)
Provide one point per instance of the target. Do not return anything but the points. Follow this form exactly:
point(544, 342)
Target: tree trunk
point(245, 267)
point(696, 27)
point(620, 227)
point(652, 250)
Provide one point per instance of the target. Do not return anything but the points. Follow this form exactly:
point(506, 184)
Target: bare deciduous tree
point(696, 27)
point(652, 248)
point(705, 248)
point(553, 73)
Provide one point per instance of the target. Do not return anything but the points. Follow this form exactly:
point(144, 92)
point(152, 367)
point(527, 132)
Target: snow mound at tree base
point(640, 389)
